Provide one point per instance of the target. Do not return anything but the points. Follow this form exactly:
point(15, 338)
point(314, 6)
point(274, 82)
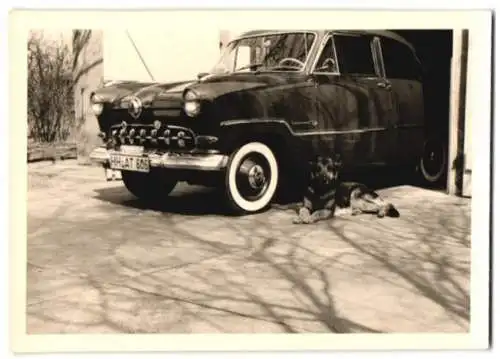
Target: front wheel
point(149, 186)
point(251, 178)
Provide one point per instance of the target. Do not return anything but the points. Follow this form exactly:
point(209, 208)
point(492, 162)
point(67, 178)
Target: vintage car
point(273, 101)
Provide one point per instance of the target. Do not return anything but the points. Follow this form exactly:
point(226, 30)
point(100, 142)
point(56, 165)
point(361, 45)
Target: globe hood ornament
point(135, 107)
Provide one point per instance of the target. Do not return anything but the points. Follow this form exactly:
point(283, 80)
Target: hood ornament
point(134, 107)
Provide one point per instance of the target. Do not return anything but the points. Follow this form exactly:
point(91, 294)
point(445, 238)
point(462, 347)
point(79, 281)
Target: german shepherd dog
point(325, 192)
point(320, 197)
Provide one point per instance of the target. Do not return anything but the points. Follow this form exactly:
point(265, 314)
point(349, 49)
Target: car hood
point(146, 91)
point(220, 85)
point(208, 88)
point(213, 86)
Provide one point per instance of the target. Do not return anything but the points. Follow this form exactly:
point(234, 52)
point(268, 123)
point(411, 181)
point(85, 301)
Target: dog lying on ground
point(320, 197)
point(325, 193)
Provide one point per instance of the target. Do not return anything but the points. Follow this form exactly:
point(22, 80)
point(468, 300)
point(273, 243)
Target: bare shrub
point(50, 89)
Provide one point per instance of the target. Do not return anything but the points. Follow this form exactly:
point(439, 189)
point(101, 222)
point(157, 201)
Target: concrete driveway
point(101, 261)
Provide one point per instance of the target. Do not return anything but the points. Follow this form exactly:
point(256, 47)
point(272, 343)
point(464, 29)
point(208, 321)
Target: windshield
point(273, 52)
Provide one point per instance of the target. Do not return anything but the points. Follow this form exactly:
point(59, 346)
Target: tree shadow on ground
point(276, 277)
point(262, 274)
point(432, 261)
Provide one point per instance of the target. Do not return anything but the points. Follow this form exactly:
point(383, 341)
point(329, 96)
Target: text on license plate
point(129, 163)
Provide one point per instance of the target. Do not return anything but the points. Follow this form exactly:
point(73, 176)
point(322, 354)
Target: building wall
point(460, 147)
point(88, 73)
point(472, 57)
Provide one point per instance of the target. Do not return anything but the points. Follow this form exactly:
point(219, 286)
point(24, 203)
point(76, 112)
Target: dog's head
point(325, 171)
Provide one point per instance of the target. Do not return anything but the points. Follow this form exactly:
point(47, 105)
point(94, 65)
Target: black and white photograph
point(254, 179)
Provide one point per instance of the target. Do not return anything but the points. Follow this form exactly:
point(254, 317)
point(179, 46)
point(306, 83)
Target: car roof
point(382, 33)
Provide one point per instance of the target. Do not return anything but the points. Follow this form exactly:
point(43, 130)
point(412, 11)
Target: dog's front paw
point(307, 220)
point(304, 216)
point(356, 211)
point(303, 220)
point(340, 212)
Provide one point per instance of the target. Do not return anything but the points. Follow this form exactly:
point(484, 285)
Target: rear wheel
point(251, 178)
point(149, 186)
point(432, 164)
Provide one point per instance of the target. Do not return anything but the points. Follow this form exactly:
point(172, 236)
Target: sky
point(56, 35)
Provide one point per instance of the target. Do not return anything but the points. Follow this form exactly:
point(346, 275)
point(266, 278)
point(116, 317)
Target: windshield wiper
point(252, 67)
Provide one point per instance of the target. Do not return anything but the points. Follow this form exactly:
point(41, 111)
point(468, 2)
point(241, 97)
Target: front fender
point(234, 133)
point(292, 151)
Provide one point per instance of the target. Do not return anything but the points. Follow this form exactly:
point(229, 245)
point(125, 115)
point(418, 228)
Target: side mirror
point(202, 75)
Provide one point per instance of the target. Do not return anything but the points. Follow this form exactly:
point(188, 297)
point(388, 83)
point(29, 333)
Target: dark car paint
point(113, 94)
point(307, 113)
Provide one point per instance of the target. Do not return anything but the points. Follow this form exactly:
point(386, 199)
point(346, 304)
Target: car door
point(402, 70)
point(355, 108)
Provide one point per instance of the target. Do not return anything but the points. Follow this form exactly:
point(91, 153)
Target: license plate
point(129, 163)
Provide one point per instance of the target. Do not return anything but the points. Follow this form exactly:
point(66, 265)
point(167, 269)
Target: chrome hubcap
point(253, 177)
point(256, 177)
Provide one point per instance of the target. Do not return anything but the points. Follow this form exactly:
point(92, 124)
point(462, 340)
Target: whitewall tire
point(251, 178)
point(433, 163)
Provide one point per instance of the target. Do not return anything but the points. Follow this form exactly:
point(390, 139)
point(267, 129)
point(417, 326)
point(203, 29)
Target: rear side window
point(355, 55)
point(399, 60)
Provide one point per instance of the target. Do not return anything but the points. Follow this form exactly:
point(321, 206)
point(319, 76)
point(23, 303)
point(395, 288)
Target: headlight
point(191, 104)
point(95, 105)
point(97, 108)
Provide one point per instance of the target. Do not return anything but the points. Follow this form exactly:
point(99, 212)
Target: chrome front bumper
point(201, 162)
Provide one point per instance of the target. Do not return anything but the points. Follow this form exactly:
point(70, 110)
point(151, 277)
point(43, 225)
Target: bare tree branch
point(50, 89)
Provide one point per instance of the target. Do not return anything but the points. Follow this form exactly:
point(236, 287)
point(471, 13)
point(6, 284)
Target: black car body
point(274, 100)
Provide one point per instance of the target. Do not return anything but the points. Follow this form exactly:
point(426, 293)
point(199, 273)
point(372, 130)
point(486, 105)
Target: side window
point(399, 60)
point(355, 55)
point(327, 60)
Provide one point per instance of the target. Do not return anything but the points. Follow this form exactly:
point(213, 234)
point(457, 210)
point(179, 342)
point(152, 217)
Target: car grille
point(164, 137)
